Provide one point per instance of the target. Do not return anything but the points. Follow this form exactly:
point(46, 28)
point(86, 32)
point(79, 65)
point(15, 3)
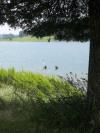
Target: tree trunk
point(94, 61)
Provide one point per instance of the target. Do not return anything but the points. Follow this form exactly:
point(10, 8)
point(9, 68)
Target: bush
point(60, 113)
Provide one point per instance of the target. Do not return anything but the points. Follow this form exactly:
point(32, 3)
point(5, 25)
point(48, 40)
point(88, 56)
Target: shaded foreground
point(33, 103)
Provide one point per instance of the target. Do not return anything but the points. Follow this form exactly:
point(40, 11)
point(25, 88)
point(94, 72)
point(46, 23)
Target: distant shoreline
point(27, 39)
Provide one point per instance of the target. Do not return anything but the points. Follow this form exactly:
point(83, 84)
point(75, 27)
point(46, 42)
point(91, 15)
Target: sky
point(5, 29)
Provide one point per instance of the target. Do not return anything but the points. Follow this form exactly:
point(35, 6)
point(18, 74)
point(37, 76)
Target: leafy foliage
point(66, 19)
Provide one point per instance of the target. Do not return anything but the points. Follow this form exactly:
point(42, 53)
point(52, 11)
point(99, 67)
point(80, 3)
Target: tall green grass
point(41, 104)
point(43, 87)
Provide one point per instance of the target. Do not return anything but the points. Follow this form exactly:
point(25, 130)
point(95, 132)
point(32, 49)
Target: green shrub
point(62, 112)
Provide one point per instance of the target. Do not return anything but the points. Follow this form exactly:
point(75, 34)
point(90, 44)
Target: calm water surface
point(68, 56)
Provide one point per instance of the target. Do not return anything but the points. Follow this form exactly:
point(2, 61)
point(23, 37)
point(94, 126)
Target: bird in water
point(56, 67)
point(45, 67)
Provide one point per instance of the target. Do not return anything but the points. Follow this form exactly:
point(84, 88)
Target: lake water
point(68, 56)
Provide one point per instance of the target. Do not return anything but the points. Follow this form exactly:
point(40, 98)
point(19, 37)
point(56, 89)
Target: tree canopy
point(65, 19)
